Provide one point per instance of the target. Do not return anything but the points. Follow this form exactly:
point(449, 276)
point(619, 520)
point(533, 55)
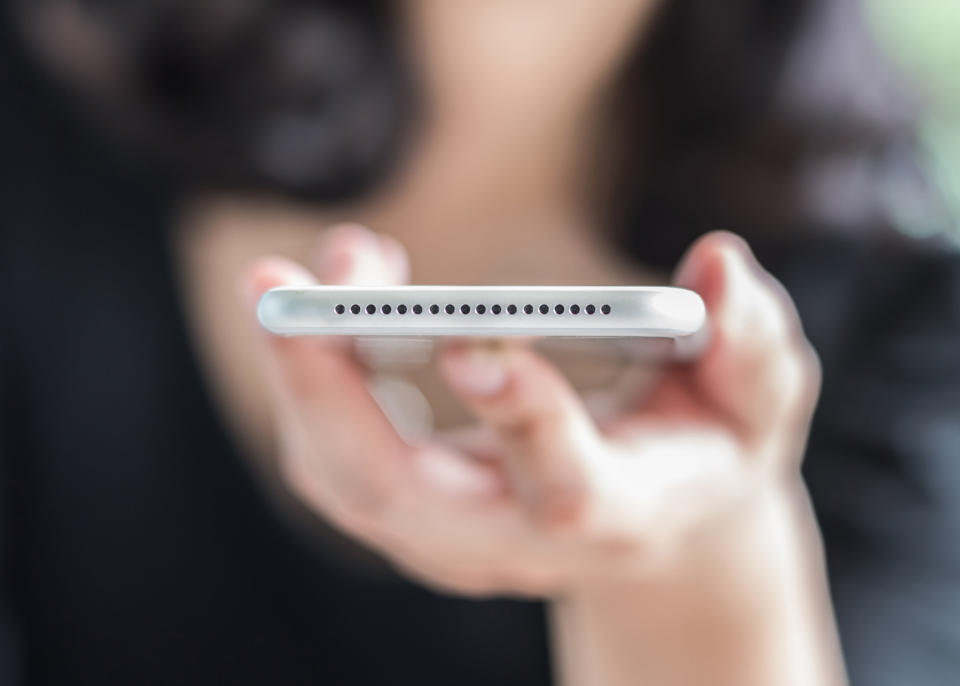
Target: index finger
point(336, 441)
point(550, 438)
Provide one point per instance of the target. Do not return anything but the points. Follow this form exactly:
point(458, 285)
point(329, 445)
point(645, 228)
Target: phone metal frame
point(618, 311)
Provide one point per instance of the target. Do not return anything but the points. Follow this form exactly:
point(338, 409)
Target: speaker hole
point(386, 309)
point(528, 309)
point(605, 309)
point(464, 309)
point(418, 309)
point(558, 309)
point(544, 308)
point(340, 309)
point(355, 309)
point(449, 309)
point(574, 309)
point(401, 309)
point(496, 309)
point(434, 309)
point(591, 309)
point(511, 309)
point(371, 309)
point(481, 309)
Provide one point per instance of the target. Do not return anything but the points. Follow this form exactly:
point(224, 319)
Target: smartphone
point(609, 342)
point(664, 317)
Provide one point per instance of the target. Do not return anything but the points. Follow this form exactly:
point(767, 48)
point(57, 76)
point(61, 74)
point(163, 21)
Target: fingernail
point(476, 371)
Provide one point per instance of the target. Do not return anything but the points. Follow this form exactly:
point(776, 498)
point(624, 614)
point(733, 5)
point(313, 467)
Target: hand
point(550, 501)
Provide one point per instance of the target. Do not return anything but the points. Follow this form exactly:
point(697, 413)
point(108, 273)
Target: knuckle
point(560, 507)
point(812, 370)
point(807, 377)
point(776, 314)
point(804, 373)
point(767, 315)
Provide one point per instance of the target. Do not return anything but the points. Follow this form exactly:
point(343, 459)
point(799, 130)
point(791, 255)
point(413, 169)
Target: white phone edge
point(489, 312)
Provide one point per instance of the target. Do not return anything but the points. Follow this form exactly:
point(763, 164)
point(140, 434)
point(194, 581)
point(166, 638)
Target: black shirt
point(138, 548)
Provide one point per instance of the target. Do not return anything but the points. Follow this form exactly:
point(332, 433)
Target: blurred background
point(146, 527)
point(923, 38)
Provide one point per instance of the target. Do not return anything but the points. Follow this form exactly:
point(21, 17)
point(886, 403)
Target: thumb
point(758, 367)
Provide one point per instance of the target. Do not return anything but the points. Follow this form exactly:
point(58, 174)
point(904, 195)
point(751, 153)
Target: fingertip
point(264, 274)
point(397, 258)
point(353, 254)
point(702, 270)
point(727, 240)
point(713, 266)
point(752, 360)
point(271, 272)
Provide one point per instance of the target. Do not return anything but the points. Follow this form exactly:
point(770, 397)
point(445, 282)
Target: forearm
point(752, 609)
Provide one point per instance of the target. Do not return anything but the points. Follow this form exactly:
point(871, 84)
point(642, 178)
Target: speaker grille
point(558, 309)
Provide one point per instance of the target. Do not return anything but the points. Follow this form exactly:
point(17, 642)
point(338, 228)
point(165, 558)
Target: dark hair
point(766, 117)
point(760, 116)
point(306, 98)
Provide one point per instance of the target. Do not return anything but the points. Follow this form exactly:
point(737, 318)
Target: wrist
point(749, 605)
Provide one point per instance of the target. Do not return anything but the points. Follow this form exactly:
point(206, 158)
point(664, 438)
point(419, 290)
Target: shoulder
point(883, 462)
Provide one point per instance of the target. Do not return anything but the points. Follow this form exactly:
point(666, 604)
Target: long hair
point(767, 117)
point(771, 118)
point(304, 98)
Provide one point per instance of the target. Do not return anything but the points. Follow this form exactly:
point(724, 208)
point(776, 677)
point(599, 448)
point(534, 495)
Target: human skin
point(676, 541)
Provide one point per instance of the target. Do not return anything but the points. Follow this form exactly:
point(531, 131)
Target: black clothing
point(138, 549)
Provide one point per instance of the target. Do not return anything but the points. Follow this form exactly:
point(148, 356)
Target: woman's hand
point(689, 484)
point(555, 500)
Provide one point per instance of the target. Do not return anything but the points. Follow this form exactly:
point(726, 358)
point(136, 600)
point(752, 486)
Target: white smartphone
point(674, 316)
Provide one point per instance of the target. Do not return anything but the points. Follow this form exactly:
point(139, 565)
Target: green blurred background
point(923, 38)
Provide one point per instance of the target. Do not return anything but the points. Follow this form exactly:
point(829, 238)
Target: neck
point(477, 212)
